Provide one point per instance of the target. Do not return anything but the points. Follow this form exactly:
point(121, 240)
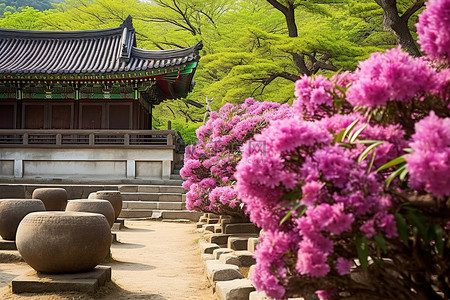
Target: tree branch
point(412, 9)
point(279, 6)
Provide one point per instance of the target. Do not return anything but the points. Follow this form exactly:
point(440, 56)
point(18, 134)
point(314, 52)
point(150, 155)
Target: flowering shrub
point(344, 211)
point(350, 185)
point(434, 37)
point(210, 164)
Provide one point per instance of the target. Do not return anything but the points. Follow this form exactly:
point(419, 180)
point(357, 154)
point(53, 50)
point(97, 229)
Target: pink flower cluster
point(429, 164)
point(300, 162)
point(434, 36)
point(209, 165)
point(312, 93)
point(392, 76)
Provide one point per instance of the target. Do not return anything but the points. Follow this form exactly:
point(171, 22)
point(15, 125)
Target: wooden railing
point(87, 138)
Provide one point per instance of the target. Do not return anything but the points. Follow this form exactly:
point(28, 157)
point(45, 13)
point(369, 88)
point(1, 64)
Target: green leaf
point(302, 211)
point(289, 214)
point(357, 133)
point(395, 161)
point(367, 142)
point(402, 228)
point(418, 220)
point(380, 242)
point(286, 217)
point(339, 137)
point(395, 174)
point(362, 248)
point(403, 174)
point(408, 150)
point(372, 159)
point(292, 195)
point(366, 152)
point(349, 129)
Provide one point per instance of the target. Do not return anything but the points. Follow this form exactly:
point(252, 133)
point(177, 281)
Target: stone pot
point(112, 196)
point(12, 211)
point(98, 206)
point(53, 198)
point(63, 242)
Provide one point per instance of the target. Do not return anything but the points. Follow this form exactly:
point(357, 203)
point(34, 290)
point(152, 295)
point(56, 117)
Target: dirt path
point(154, 260)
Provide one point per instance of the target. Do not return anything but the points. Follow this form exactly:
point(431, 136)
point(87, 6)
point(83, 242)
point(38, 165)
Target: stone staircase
point(155, 201)
point(158, 199)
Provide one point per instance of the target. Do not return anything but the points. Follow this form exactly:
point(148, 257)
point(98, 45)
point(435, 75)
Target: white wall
point(96, 163)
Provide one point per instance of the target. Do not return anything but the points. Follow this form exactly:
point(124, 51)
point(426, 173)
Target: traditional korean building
point(79, 103)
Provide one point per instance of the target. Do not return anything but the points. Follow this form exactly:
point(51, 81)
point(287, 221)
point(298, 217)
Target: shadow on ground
point(125, 265)
point(121, 245)
point(109, 291)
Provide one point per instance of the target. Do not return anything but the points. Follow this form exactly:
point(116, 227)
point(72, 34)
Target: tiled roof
point(102, 51)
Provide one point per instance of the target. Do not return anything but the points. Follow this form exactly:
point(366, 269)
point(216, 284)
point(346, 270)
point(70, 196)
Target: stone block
point(217, 228)
point(246, 258)
point(237, 242)
point(218, 271)
point(229, 258)
point(207, 248)
point(171, 189)
point(206, 256)
point(148, 189)
point(237, 289)
point(182, 214)
point(87, 282)
point(212, 221)
point(218, 238)
point(128, 188)
point(136, 213)
point(119, 224)
point(148, 197)
point(203, 219)
point(129, 196)
point(233, 228)
point(12, 191)
point(251, 271)
point(170, 197)
point(258, 296)
point(252, 243)
point(200, 224)
point(208, 227)
point(10, 256)
point(171, 205)
point(7, 245)
point(218, 252)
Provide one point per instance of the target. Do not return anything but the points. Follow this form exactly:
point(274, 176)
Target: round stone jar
point(63, 242)
point(53, 198)
point(12, 211)
point(112, 196)
point(98, 206)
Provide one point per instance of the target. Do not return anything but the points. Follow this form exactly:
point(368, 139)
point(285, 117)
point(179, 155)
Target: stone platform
point(86, 282)
point(7, 245)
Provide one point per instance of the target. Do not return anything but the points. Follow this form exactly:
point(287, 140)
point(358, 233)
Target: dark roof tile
point(87, 52)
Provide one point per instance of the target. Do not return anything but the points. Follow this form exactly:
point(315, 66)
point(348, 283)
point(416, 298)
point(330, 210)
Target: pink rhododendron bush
point(352, 193)
point(210, 165)
point(351, 184)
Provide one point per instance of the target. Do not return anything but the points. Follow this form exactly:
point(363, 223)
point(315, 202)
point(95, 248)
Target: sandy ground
point(154, 260)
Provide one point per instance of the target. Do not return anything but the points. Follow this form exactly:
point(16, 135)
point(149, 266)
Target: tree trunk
point(289, 15)
point(399, 24)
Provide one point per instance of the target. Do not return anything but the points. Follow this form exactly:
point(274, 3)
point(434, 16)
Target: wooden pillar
point(150, 116)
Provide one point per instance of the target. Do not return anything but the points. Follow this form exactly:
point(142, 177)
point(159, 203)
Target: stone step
point(152, 205)
point(136, 213)
point(151, 189)
point(163, 197)
point(181, 214)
